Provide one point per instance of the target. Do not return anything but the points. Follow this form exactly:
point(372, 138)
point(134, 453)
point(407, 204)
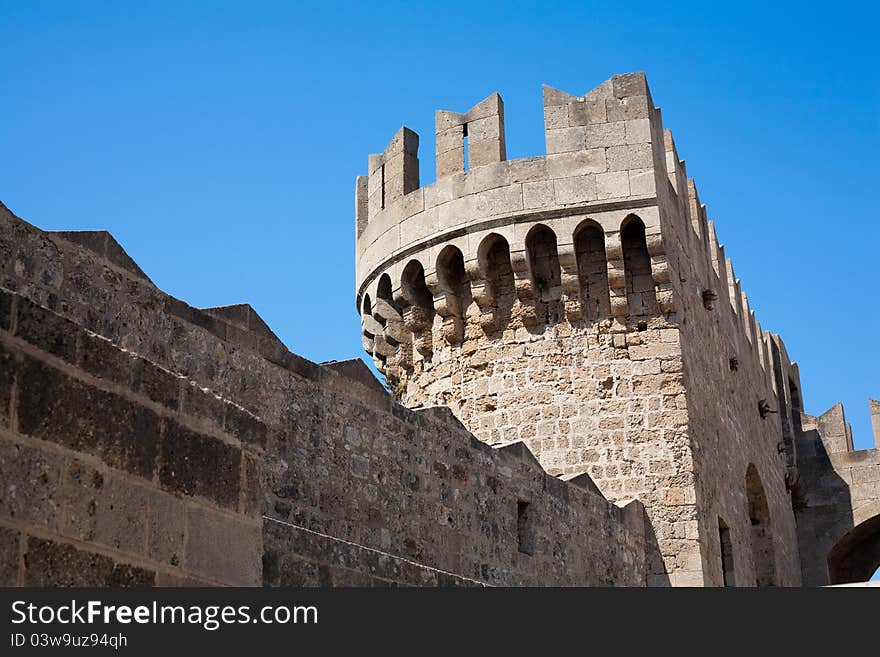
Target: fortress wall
point(518, 295)
point(426, 490)
point(817, 487)
point(610, 364)
point(608, 405)
point(114, 471)
point(367, 492)
point(729, 368)
point(838, 502)
point(591, 381)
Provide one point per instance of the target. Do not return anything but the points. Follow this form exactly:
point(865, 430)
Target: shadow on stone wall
point(823, 507)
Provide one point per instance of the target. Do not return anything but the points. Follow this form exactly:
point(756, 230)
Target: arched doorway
point(856, 556)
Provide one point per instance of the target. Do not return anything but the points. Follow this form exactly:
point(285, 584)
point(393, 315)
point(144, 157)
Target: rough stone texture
point(329, 562)
point(599, 322)
point(104, 481)
point(837, 502)
point(9, 551)
point(587, 398)
point(47, 563)
point(234, 434)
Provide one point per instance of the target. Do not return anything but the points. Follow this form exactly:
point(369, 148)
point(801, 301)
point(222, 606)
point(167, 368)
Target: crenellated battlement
point(599, 162)
point(477, 134)
point(562, 218)
point(583, 393)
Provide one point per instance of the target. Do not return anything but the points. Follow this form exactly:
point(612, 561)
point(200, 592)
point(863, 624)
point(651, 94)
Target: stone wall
point(729, 375)
point(114, 470)
point(575, 307)
point(339, 485)
point(580, 301)
point(428, 491)
point(585, 400)
point(838, 502)
point(531, 297)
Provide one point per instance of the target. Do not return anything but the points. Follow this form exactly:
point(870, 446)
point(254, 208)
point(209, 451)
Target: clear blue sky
point(219, 141)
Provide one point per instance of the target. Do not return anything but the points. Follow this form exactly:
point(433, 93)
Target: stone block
point(245, 426)
point(166, 517)
point(866, 474)
point(532, 169)
point(487, 128)
point(625, 109)
point(450, 139)
point(223, 548)
point(81, 486)
point(120, 519)
point(638, 131)
point(489, 176)
point(57, 408)
point(556, 117)
point(412, 203)
point(630, 156)
point(202, 403)
point(30, 484)
point(438, 193)
point(254, 496)
point(586, 112)
point(156, 383)
point(52, 564)
point(687, 579)
point(578, 189)
point(646, 367)
point(667, 419)
point(641, 182)
point(418, 226)
point(393, 185)
point(566, 139)
point(101, 358)
point(556, 97)
point(614, 184)
point(669, 335)
point(498, 201)
point(671, 364)
point(603, 135)
point(865, 490)
point(579, 163)
point(538, 194)
point(455, 213)
point(666, 384)
point(46, 331)
point(450, 162)
point(657, 350)
point(629, 84)
point(103, 509)
point(195, 464)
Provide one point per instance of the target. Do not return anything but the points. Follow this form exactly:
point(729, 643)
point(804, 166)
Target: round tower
point(510, 290)
point(580, 303)
point(533, 298)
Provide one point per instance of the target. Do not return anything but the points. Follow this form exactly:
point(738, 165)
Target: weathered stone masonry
point(580, 302)
point(147, 442)
point(115, 470)
point(583, 395)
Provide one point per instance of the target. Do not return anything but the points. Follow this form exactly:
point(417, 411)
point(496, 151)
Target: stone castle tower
point(591, 401)
point(580, 302)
